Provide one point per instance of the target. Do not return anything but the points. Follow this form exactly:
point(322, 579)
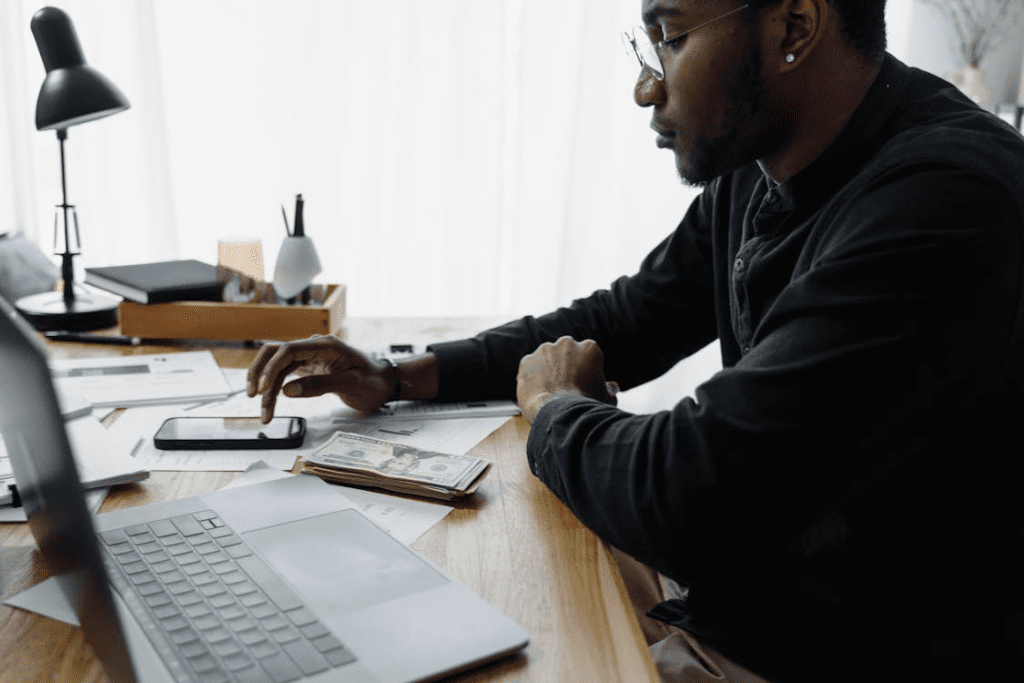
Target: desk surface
point(515, 544)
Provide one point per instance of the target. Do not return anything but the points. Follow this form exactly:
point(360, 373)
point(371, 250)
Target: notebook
point(278, 581)
point(153, 283)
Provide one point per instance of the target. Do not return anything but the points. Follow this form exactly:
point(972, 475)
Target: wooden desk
point(515, 544)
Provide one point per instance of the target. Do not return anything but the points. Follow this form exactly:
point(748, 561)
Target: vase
point(971, 81)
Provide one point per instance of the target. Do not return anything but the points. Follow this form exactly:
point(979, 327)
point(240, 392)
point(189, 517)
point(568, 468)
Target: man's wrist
point(393, 376)
point(534, 404)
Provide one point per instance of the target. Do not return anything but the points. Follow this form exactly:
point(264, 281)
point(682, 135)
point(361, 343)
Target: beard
point(711, 157)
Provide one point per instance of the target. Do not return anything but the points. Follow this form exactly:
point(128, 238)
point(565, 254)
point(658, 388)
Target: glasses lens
point(646, 53)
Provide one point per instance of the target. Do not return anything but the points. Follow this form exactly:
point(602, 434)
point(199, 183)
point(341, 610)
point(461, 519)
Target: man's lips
point(665, 136)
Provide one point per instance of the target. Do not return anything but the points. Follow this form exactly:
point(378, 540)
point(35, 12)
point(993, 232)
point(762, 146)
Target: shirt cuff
point(460, 365)
point(538, 442)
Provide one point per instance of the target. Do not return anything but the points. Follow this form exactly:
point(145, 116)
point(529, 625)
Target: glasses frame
point(639, 42)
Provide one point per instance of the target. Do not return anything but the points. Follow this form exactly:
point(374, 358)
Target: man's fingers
point(256, 368)
point(270, 392)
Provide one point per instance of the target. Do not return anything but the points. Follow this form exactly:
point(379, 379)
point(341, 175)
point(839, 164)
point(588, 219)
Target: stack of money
point(361, 461)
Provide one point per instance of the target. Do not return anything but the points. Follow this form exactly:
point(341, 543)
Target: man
point(839, 502)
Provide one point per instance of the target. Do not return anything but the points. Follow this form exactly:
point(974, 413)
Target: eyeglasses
point(648, 54)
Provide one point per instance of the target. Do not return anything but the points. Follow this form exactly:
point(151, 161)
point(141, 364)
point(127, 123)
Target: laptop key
point(237, 661)
point(339, 656)
point(252, 674)
point(285, 635)
point(203, 663)
point(187, 525)
point(325, 643)
point(165, 611)
point(162, 528)
point(237, 551)
point(263, 649)
point(308, 659)
point(216, 676)
point(302, 616)
point(281, 668)
point(315, 630)
point(114, 537)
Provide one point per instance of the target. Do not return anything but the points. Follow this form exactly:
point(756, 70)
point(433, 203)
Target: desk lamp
point(72, 93)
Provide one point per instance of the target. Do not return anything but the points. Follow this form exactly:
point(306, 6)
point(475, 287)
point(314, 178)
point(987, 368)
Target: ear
point(796, 26)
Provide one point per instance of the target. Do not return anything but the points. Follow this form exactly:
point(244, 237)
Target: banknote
point(366, 458)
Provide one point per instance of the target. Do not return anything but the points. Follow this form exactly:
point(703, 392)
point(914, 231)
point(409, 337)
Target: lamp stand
point(70, 309)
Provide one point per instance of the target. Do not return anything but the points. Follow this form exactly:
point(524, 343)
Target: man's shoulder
point(938, 126)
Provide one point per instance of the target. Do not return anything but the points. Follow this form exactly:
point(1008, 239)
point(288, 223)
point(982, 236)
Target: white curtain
point(455, 156)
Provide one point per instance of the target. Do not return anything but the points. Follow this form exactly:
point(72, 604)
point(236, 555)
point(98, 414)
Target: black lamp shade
point(73, 92)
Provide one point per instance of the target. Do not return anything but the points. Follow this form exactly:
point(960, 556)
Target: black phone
point(229, 433)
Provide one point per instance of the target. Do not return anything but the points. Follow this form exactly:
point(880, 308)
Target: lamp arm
point(67, 271)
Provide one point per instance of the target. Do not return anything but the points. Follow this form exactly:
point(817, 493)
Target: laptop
point(278, 581)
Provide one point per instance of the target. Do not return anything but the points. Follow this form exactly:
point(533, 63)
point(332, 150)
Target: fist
point(565, 367)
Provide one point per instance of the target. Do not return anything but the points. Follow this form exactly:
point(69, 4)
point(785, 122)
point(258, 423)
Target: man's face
point(709, 106)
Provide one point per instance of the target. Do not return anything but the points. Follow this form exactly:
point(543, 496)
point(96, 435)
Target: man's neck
point(828, 95)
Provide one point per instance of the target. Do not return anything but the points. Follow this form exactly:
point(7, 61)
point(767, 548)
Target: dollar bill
point(374, 459)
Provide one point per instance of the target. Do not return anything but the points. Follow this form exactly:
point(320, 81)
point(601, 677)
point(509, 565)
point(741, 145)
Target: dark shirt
point(841, 498)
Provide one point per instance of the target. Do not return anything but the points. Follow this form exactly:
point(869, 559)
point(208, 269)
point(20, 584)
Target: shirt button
point(738, 265)
point(746, 350)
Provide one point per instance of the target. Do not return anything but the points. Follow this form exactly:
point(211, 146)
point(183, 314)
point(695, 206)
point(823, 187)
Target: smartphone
point(229, 433)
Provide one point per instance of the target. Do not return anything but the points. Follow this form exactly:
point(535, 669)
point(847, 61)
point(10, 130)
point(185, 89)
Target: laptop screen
point(32, 429)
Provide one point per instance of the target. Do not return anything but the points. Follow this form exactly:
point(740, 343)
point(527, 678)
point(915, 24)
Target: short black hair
point(862, 22)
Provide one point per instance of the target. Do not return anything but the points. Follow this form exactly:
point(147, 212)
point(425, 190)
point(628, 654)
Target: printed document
point(142, 380)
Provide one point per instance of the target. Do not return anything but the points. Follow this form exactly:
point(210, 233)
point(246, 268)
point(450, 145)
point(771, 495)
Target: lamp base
point(49, 311)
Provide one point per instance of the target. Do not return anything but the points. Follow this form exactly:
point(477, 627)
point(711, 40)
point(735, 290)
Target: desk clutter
point(190, 299)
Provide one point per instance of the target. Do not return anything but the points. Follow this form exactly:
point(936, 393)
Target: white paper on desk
point(45, 598)
point(93, 500)
point(144, 379)
point(72, 403)
point(100, 462)
point(102, 458)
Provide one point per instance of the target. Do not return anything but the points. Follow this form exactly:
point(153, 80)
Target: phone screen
point(213, 433)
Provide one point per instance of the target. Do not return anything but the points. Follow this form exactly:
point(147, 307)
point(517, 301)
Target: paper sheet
point(144, 379)
point(99, 457)
point(93, 500)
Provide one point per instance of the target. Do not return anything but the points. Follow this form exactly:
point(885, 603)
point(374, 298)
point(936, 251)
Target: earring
point(790, 58)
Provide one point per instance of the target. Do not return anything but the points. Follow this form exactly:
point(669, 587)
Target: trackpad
point(343, 562)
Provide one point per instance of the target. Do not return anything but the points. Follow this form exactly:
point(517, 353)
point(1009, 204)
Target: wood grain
point(514, 543)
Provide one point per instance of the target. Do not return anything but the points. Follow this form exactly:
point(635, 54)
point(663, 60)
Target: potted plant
point(980, 27)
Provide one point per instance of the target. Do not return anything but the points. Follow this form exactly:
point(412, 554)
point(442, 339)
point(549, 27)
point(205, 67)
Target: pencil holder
point(297, 265)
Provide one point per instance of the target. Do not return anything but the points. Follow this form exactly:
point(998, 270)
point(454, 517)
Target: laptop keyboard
point(213, 609)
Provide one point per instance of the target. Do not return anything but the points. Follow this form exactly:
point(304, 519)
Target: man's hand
point(565, 367)
point(325, 364)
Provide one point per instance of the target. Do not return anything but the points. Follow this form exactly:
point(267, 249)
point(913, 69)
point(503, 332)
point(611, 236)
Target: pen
point(300, 228)
point(284, 215)
point(119, 339)
point(125, 340)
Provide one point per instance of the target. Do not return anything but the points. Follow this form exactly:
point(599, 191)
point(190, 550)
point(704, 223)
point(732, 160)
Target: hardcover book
point(161, 282)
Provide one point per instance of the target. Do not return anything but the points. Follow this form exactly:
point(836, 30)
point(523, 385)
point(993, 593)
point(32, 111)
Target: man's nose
point(648, 90)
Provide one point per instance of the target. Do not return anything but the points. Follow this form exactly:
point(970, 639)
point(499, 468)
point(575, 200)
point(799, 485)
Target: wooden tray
point(237, 321)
